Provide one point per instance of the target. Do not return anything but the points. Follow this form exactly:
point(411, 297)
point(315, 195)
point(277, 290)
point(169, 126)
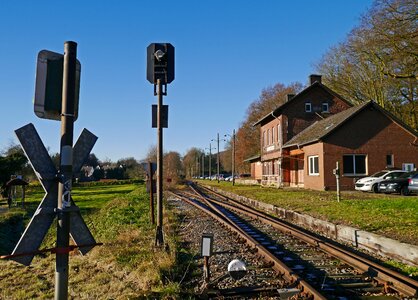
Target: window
point(325, 107)
point(408, 167)
point(308, 106)
point(279, 134)
point(354, 164)
point(268, 136)
point(313, 165)
point(264, 138)
point(273, 135)
point(389, 160)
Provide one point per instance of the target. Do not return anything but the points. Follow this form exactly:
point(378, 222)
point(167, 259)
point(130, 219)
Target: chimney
point(289, 97)
point(313, 78)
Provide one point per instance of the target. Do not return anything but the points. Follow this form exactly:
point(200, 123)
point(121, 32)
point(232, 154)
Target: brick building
point(312, 104)
point(363, 139)
point(302, 140)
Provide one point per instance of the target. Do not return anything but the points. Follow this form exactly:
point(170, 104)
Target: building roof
point(254, 158)
point(321, 129)
point(275, 113)
point(15, 181)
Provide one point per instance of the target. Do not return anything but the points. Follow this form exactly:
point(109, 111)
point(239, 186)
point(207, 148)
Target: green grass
point(126, 266)
point(393, 216)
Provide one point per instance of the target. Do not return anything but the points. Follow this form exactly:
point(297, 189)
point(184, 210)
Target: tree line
point(377, 61)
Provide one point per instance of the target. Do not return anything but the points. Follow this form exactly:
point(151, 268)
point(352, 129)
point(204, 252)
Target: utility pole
point(66, 170)
point(203, 165)
point(217, 158)
point(210, 159)
point(233, 157)
point(196, 174)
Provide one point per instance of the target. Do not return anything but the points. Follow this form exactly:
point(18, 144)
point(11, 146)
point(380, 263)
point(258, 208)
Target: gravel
point(226, 247)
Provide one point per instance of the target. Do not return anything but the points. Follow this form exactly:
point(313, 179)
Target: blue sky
point(226, 53)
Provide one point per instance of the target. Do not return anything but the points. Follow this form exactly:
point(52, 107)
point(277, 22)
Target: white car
point(370, 183)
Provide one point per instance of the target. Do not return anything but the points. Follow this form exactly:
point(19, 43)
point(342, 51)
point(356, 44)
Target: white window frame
point(308, 107)
point(273, 133)
point(325, 104)
point(311, 165)
point(279, 134)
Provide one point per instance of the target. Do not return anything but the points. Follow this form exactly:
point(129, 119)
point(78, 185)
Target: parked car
point(229, 178)
point(397, 185)
point(244, 175)
point(413, 184)
point(215, 177)
point(370, 183)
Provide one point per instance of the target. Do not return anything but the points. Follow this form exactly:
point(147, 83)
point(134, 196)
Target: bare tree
point(379, 60)
point(190, 162)
point(173, 168)
point(247, 142)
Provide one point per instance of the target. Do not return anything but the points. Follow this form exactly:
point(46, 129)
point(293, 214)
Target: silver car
point(413, 184)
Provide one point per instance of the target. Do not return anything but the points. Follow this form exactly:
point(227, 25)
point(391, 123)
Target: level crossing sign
point(49, 177)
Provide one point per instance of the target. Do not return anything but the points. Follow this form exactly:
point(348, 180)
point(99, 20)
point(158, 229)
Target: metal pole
point(337, 176)
point(210, 161)
point(197, 167)
point(206, 270)
point(151, 194)
point(66, 170)
point(233, 157)
point(159, 239)
point(203, 164)
point(218, 158)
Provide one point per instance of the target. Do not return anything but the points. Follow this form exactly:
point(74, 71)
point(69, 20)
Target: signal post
point(160, 72)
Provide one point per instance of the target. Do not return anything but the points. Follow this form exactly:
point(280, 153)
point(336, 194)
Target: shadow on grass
point(14, 224)
point(11, 229)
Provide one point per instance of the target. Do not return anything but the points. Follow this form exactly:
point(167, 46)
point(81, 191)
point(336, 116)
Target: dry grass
point(126, 267)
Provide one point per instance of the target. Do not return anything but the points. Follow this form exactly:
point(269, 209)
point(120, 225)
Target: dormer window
point(325, 107)
point(308, 107)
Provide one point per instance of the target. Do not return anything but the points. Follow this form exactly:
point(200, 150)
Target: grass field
point(393, 216)
point(126, 267)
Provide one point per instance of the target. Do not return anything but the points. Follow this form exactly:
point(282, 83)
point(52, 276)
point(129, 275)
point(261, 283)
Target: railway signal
point(160, 72)
point(57, 184)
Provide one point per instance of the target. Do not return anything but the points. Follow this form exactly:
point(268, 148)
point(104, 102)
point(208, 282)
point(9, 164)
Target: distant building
point(364, 139)
point(302, 140)
point(312, 104)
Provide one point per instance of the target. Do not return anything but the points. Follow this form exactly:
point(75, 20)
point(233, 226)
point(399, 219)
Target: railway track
point(320, 268)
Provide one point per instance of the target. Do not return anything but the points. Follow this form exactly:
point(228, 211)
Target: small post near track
point(160, 72)
point(206, 250)
point(336, 172)
point(56, 98)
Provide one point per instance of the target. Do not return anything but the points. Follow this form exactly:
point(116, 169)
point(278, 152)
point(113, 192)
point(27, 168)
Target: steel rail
point(282, 269)
point(389, 278)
